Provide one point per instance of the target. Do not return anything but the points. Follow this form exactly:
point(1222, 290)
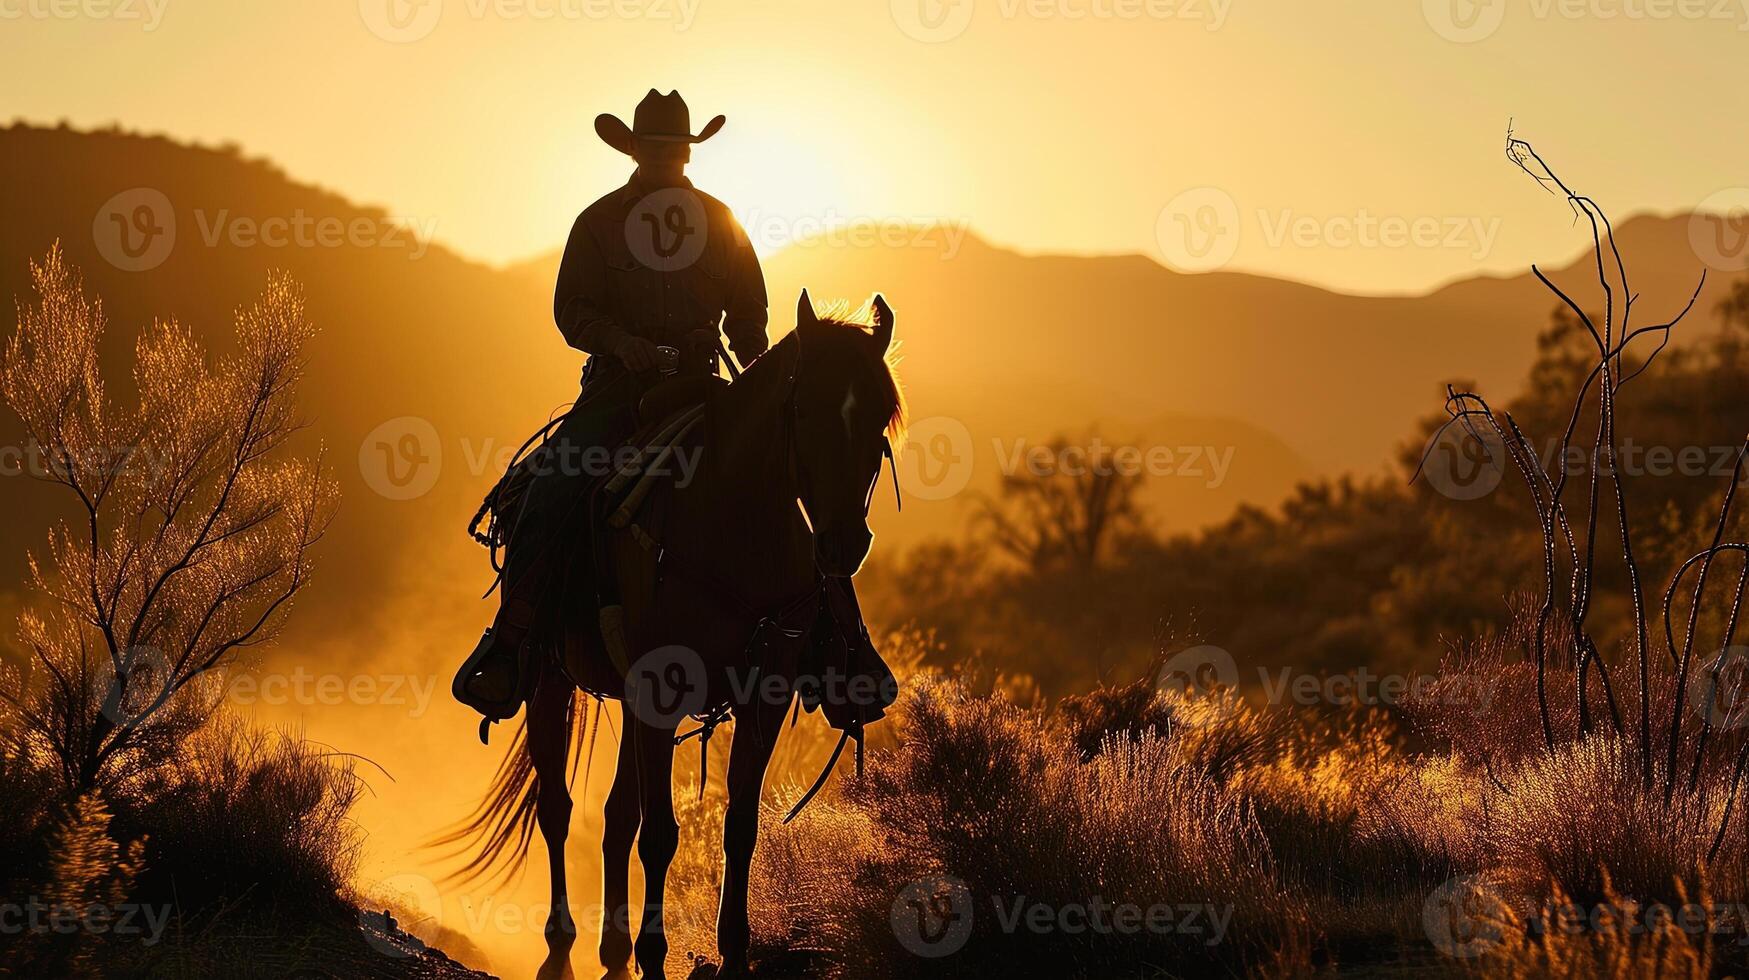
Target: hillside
point(1013, 348)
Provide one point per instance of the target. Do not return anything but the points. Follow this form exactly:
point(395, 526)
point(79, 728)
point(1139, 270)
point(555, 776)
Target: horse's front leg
point(549, 718)
point(757, 727)
point(619, 831)
point(658, 839)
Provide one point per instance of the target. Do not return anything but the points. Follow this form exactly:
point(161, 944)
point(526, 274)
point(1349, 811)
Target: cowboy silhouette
point(651, 273)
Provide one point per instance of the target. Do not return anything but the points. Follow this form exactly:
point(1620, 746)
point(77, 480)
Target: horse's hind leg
point(658, 839)
point(755, 736)
point(620, 828)
point(549, 717)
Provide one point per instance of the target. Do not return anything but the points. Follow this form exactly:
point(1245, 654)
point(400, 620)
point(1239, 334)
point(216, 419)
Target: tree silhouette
point(1068, 515)
point(192, 531)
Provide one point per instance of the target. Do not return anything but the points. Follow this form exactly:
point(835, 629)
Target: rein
point(797, 467)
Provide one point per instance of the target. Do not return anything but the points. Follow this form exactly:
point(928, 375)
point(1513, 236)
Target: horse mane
point(840, 325)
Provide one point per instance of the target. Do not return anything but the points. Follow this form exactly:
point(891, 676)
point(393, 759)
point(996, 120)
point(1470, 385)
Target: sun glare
point(780, 190)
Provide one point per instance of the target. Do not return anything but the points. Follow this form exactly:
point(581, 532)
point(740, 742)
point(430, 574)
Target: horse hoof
point(652, 958)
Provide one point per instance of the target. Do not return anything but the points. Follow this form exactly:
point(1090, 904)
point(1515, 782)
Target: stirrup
point(494, 711)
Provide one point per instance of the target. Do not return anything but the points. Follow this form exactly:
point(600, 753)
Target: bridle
point(793, 461)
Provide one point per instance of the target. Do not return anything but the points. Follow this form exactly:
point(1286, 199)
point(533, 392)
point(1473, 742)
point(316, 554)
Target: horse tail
point(499, 830)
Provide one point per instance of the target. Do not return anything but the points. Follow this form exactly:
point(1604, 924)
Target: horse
point(720, 579)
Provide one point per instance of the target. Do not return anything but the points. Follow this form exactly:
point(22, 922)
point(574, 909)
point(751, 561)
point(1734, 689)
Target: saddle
point(664, 415)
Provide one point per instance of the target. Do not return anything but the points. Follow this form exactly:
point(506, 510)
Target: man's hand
point(640, 355)
point(749, 350)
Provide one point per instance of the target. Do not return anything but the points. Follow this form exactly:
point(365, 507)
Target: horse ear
point(883, 325)
point(805, 310)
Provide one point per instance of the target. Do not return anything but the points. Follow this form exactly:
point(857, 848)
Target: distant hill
point(1296, 381)
point(1285, 381)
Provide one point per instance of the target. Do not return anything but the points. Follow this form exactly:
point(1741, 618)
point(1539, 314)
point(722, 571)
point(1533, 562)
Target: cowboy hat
point(659, 117)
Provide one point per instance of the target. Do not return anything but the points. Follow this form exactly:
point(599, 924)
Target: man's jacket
point(613, 280)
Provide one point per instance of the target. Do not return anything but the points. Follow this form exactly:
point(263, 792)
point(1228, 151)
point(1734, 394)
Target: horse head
point(848, 410)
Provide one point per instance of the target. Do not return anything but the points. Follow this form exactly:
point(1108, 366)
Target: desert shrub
point(26, 790)
point(1616, 939)
point(1130, 711)
point(1576, 820)
point(249, 815)
point(61, 920)
point(996, 804)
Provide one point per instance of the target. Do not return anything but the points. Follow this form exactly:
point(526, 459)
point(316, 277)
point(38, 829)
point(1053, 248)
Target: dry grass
point(1332, 838)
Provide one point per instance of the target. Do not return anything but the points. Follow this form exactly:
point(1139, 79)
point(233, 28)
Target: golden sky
point(1046, 125)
